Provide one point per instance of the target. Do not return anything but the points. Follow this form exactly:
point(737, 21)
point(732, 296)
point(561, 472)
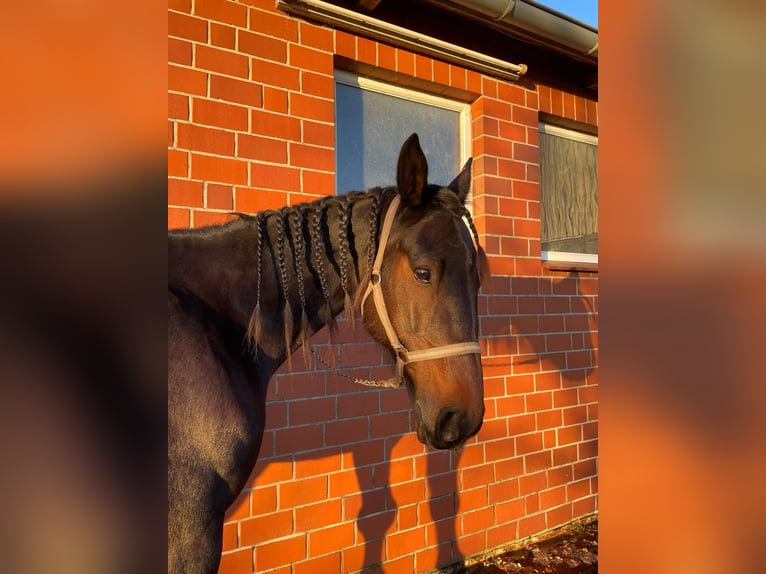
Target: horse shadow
point(383, 479)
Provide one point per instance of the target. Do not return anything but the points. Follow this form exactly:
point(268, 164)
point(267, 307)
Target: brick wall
point(342, 482)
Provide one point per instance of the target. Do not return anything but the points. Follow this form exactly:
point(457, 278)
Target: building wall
point(342, 482)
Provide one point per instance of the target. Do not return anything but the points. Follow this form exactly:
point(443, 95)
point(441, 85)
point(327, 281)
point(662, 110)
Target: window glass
point(568, 194)
point(373, 120)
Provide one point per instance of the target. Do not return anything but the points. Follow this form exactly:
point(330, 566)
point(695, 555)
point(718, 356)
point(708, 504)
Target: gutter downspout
point(533, 18)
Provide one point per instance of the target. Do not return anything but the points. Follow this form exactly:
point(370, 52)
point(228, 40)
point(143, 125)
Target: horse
point(244, 296)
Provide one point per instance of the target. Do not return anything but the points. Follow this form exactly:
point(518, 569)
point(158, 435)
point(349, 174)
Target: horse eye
point(423, 275)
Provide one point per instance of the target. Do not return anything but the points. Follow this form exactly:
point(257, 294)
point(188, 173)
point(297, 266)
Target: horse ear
point(411, 172)
point(461, 185)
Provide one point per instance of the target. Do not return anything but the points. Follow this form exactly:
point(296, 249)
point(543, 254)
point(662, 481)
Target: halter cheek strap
point(403, 355)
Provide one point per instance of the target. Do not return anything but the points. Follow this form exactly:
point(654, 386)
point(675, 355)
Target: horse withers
point(243, 296)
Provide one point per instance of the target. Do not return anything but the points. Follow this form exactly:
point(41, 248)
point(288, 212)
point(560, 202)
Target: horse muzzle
point(451, 429)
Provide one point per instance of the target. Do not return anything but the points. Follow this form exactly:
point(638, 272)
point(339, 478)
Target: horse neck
point(281, 275)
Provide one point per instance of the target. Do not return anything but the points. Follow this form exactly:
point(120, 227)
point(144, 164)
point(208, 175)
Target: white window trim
point(568, 259)
point(463, 109)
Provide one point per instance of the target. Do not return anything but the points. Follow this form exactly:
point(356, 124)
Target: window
point(568, 198)
point(372, 120)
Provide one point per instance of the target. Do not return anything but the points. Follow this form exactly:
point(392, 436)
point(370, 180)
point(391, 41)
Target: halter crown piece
point(403, 355)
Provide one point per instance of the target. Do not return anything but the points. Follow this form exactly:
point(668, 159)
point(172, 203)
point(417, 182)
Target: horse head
point(424, 288)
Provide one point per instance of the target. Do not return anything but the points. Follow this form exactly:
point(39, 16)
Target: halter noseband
point(403, 355)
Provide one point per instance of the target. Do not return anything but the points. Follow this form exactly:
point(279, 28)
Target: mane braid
point(298, 258)
point(317, 245)
point(343, 233)
point(287, 313)
point(254, 325)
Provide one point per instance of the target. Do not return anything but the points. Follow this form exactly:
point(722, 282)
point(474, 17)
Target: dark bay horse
point(243, 296)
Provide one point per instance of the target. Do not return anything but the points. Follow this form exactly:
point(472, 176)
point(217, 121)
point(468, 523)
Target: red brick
point(218, 169)
point(539, 401)
point(178, 218)
point(387, 424)
point(558, 516)
point(544, 98)
point(579, 359)
point(249, 200)
point(510, 468)
point(579, 489)
point(423, 67)
point(386, 57)
point(404, 543)
point(349, 430)
point(531, 525)
point(222, 36)
point(222, 11)
point(178, 106)
point(441, 72)
point(312, 108)
point(320, 85)
point(316, 36)
point(557, 102)
point(262, 46)
point(312, 410)
point(312, 157)
point(236, 562)
point(275, 125)
point(261, 149)
point(219, 196)
point(473, 81)
point(267, 527)
point(221, 61)
point(331, 539)
point(238, 91)
point(345, 44)
point(477, 521)
point(187, 27)
point(302, 491)
point(275, 99)
point(179, 52)
point(320, 515)
point(186, 80)
point(178, 163)
point(180, 5)
point(304, 58)
point(569, 106)
point(329, 563)
point(229, 536)
point(318, 183)
point(219, 114)
point(185, 192)
point(275, 177)
point(529, 443)
point(210, 140)
point(297, 439)
point(476, 476)
point(568, 435)
point(277, 553)
point(270, 20)
point(591, 112)
point(366, 51)
point(204, 218)
point(274, 74)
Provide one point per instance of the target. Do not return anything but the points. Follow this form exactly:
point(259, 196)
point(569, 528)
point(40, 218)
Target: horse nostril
point(448, 425)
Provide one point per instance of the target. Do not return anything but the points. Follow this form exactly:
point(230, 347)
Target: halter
point(403, 355)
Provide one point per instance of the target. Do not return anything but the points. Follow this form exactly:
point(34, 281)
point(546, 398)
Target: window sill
point(567, 261)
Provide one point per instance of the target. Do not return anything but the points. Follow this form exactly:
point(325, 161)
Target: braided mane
point(303, 227)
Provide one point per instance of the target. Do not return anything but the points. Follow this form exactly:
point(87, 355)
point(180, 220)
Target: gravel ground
point(573, 553)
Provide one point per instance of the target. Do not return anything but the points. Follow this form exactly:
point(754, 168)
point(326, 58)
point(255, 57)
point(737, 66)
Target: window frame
point(412, 95)
point(568, 260)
